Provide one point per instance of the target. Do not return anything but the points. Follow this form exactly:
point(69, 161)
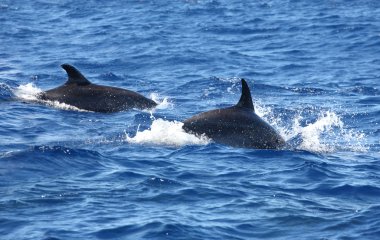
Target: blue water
point(313, 68)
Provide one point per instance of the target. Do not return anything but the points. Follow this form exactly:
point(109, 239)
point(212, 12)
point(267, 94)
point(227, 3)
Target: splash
point(314, 135)
point(329, 134)
point(29, 92)
point(326, 134)
point(163, 103)
point(169, 133)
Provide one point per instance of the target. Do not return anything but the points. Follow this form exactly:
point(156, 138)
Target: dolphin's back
point(235, 126)
point(79, 92)
point(98, 98)
point(238, 126)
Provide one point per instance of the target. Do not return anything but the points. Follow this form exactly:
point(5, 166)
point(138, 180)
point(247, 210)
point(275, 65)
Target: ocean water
point(313, 69)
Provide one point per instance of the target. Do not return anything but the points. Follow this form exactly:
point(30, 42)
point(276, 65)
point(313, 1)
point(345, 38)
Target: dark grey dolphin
point(81, 93)
point(237, 126)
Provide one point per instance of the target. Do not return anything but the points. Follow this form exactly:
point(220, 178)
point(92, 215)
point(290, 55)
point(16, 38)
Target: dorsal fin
point(245, 99)
point(74, 76)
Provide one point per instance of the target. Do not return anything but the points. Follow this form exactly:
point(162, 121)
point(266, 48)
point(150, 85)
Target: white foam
point(169, 133)
point(63, 106)
point(327, 134)
point(312, 140)
point(29, 92)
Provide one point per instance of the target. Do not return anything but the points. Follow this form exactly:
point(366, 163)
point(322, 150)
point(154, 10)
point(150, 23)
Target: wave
point(5, 92)
point(46, 160)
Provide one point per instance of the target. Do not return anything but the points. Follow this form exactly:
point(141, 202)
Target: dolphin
point(81, 93)
point(237, 126)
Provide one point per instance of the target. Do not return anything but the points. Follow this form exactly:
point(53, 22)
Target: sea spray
point(327, 133)
point(168, 133)
point(163, 102)
point(29, 92)
point(319, 136)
